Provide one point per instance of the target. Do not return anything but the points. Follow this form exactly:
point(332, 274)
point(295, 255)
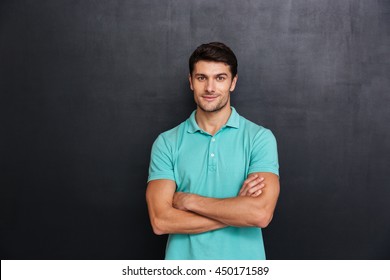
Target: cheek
point(225, 88)
point(197, 88)
point(197, 94)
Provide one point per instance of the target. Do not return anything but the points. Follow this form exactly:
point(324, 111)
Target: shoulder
point(255, 131)
point(169, 138)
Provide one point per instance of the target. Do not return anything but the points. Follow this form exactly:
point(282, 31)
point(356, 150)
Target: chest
point(214, 166)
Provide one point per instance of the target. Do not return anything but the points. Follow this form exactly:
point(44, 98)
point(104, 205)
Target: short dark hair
point(214, 51)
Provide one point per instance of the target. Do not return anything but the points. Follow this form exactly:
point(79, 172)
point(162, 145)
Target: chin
point(212, 109)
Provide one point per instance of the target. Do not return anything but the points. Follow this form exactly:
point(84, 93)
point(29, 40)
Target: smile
point(209, 97)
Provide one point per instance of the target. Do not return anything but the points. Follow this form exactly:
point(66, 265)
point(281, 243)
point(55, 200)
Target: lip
point(209, 97)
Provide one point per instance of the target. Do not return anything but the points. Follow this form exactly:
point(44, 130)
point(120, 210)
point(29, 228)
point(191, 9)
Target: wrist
point(190, 201)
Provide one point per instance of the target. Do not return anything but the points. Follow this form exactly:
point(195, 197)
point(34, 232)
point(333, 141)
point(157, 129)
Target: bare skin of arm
point(241, 211)
point(167, 219)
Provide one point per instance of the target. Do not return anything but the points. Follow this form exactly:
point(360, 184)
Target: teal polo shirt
point(214, 166)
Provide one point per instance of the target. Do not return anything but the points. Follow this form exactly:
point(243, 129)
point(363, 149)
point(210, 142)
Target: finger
point(251, 184)
point(256, 194)
point(255, 188)
point(250, 178)
point(245, 184)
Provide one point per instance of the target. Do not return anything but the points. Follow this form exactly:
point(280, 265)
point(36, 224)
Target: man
point(213, 180)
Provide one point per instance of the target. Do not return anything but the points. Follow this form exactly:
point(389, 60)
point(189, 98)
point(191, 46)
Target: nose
point(210, 85)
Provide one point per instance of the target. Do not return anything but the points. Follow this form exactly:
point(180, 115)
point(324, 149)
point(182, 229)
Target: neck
point(211, 122)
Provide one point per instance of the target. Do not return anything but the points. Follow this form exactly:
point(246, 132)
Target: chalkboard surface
point(86, 87)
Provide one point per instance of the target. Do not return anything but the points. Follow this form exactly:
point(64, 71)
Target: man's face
point(212, 83)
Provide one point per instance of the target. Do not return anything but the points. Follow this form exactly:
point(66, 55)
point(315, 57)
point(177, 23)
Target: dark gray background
point(86, 87)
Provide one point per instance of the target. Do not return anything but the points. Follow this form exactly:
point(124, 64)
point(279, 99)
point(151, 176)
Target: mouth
point(209, 97)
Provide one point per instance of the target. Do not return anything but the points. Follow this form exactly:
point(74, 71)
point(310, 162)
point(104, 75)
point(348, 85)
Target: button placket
point(212, 155)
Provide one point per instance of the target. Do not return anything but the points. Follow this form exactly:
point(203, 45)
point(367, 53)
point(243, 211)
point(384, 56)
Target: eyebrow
point(216, 75)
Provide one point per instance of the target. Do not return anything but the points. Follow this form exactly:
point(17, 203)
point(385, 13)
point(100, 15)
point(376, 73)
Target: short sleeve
point(161, 163)
point(264, 154)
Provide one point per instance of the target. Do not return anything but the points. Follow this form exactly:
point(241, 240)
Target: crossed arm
point(177, 212)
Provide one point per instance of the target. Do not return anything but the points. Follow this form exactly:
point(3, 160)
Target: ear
point(190, 80)
point(234, 82)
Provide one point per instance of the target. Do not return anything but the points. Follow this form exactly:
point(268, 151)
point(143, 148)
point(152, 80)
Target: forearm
point(165, 219)
point(241, 211)
point(182, 222)
point(238, 211)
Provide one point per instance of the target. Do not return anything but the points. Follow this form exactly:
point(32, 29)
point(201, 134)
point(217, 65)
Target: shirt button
point(213, 140)
point(212, 155)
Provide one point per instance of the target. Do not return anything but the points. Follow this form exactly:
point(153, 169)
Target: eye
point(221, 78)
point(200, 78)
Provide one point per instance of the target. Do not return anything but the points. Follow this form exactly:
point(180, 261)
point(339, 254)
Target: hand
point(252, 186)
point(180, 199)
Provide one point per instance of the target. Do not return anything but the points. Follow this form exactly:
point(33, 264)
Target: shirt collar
point(233, 121)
